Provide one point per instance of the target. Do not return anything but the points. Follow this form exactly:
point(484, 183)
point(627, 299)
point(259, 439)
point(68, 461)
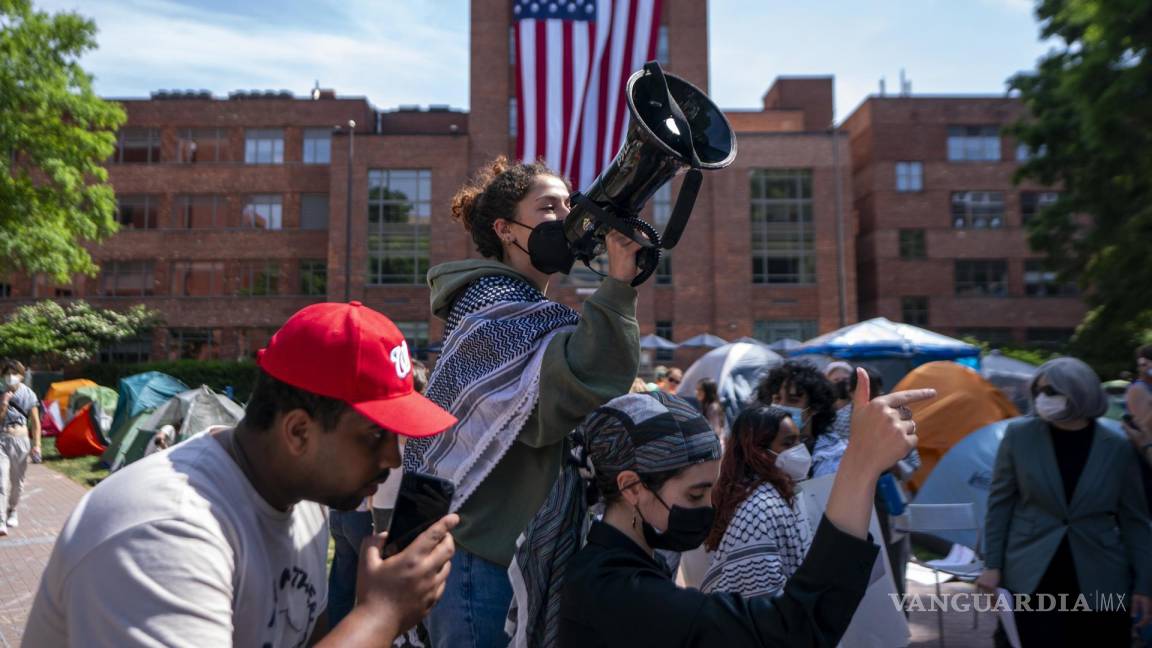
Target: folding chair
point(930, 518)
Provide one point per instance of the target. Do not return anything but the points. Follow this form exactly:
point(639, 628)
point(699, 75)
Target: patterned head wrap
point(646, 433)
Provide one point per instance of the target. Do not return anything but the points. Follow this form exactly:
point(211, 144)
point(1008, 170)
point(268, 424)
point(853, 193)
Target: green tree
point(50, 335)
point(55, 133)
point(1089, 126)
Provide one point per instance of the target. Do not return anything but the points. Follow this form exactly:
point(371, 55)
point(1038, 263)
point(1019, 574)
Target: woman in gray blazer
point(1067, 516)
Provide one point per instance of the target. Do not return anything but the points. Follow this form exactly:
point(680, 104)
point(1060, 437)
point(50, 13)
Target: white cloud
point(392, 57)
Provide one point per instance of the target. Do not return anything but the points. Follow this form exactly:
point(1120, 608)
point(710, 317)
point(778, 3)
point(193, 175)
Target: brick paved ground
point(958, 631)
point(48, 499)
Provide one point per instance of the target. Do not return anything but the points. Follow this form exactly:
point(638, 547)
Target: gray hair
point(1076, 381)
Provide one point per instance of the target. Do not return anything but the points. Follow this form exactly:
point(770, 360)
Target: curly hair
point(494, 193)
point(747, 464)
point(807, 379)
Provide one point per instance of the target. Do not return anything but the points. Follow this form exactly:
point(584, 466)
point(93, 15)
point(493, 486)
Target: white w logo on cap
point(401, 360)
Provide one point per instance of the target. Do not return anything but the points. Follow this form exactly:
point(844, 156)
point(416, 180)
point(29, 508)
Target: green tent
point(189, 413)
point(139, 396)
point(103, 408)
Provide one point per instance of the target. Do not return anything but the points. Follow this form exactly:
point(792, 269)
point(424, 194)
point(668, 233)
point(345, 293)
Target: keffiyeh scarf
point(488, 377)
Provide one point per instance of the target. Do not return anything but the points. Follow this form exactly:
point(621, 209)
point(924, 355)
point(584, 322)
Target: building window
point(993, 336)
point(982, 278)
point(662, 45)
point(313, 278)
point(914, 310)
point(909, 176)
point(783, 241)
point(131, 351)
point(197, 145)
point(126, 279)
point(137, 212)
point(192, 344)
point(774, 330)
point(664, 269)
point(314, 211)
point(513, 130)
point(137, 146)
point(416, 335)
point(1053, 339)
point(664, 330)
point(1024, 152)
point(977, 209)
point(257, 278)
point(264, 146)
point(912, 244)
point(264, 212)
point(1033, 202)
point(5, 290)
point(317, 146)
point(974, 143)
point(197, 278)
point(662, 206)
point(1042, 282)
point(250, 341)
point(197, 212)
point(399, 206)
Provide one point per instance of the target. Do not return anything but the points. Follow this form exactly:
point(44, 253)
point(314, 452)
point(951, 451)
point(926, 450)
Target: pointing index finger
point(901, 398)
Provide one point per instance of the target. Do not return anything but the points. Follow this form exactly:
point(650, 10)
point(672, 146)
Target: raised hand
point(883, 431)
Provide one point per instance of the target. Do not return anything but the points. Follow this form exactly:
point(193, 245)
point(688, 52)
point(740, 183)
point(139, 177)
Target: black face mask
point(548, 247)
point(687, 527)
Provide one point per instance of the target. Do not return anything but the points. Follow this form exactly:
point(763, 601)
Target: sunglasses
point(1047, 390)
point(674, 381)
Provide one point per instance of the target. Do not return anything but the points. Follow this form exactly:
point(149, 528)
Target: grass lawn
point(85, 471)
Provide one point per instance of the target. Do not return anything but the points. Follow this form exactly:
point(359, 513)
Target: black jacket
point(616, 595)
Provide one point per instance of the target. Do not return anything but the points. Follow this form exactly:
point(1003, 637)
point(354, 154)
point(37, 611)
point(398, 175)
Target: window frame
point(256, 140)
point(783, 230)
point(966, 288)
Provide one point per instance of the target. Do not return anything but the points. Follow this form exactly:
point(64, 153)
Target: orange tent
point(62, 391)
point(80, 438)
point(964, 403)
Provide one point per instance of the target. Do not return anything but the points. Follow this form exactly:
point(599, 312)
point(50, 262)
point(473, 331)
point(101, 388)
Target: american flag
point(573, 60)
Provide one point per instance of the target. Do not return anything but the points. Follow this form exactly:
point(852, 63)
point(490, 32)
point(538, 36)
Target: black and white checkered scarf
point(488, 377)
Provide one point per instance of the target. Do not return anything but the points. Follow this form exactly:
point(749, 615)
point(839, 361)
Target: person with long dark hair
point(652, 461)
point(709, 398)
point(520, 372)
point(760, 535)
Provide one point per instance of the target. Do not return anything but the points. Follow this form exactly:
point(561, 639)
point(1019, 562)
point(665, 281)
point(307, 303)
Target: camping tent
point(736, 368)
point(1011, 376)
point(964, 402)
point(139, 395)
point(189, 412)
point(81, 437)
point(62, 391)
point(964, 474)
point(890, 347)
point(103, 402)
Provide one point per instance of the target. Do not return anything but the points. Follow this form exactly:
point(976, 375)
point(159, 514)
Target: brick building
point(234, 210)
point(941, 241)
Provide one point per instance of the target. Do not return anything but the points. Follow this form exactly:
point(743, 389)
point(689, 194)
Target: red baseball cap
point(352, 353)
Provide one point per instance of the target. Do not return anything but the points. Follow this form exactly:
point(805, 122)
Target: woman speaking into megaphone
point(519, 372)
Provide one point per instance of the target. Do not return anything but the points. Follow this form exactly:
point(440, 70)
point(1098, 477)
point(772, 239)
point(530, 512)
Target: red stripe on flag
point(541, 90)
point(567, 99)
point(519, 95)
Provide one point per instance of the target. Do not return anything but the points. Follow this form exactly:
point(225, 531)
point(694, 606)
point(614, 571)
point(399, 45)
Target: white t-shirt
point(178, 549)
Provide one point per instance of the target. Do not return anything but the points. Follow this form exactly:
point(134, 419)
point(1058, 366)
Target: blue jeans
point(475, 604)
point(348, 528)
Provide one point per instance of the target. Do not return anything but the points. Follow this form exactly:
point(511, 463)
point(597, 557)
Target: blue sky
point(416, 51)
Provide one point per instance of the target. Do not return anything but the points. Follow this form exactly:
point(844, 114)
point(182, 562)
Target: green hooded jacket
point(581, 371)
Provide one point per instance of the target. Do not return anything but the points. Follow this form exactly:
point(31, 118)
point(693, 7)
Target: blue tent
point(964, 474)
point(139, 396)
point(890, 347)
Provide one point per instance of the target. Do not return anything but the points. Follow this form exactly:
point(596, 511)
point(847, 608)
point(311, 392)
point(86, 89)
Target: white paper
point(877, 622)
point(1007, 621)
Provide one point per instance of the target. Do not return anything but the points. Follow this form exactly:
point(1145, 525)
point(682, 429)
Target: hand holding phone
point(421, 502)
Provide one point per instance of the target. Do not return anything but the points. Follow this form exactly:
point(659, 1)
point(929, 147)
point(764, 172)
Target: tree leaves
point(55, 134)
point(47, 333)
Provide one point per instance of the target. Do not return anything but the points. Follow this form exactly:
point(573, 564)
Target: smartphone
point(420, 503)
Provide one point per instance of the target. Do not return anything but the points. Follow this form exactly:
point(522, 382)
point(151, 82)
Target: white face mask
point(1051, 408)
point(795, 462)
point(13, 380)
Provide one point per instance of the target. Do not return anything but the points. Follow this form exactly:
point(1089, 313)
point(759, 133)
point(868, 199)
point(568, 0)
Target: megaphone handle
point(608, 218)
point(685, 201)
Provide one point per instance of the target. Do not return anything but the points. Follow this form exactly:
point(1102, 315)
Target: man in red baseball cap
point(222, 540)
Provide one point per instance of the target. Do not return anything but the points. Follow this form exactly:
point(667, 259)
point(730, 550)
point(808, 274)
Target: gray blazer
point(1107, 521)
